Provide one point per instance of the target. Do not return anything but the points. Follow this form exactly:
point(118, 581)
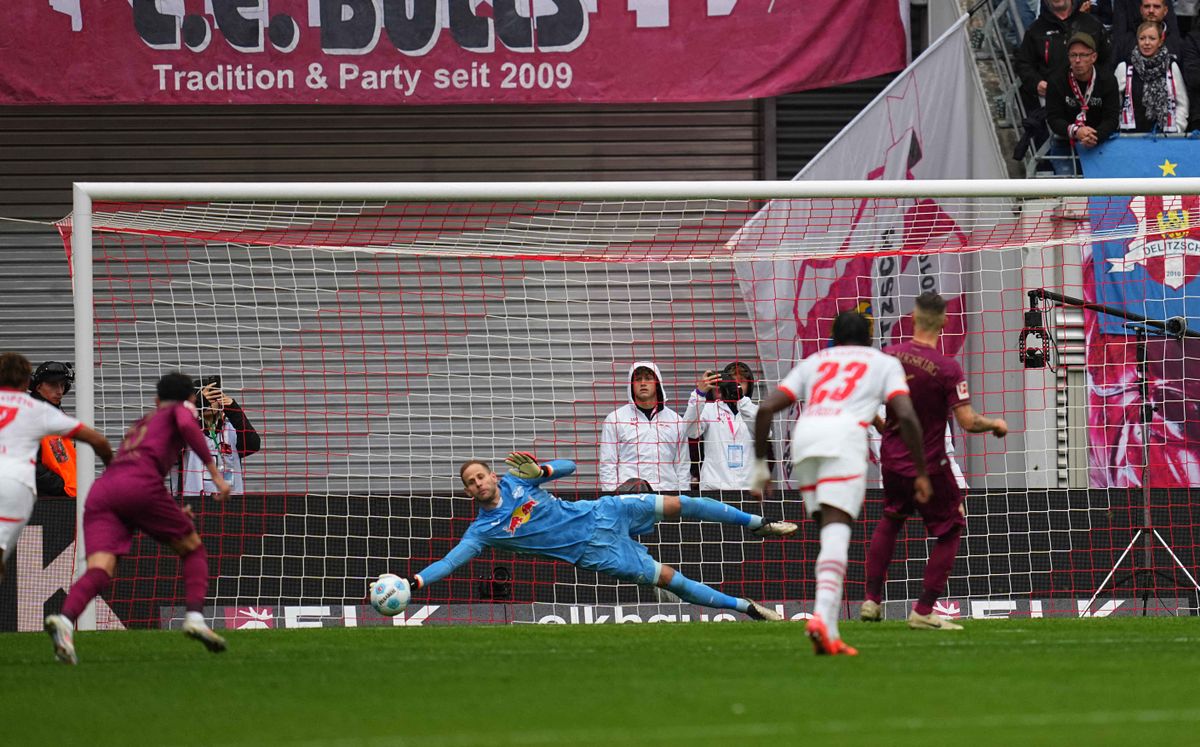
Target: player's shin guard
point(706, 509)
point(195, 579)
point(937, 570)
point(697, 593)
point(831, 571)
point(879, 556)
point(89, 586)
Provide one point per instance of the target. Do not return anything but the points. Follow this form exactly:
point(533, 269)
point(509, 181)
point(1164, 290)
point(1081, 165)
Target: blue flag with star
point(1151, 261)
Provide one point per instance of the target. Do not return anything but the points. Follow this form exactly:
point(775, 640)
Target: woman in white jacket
point(1153, 94)
point(645, 439)
point(727, 425)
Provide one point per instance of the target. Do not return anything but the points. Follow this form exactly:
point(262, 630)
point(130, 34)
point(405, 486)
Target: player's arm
point(760, 474)
point(466, 549)
point(96, 440)
point(189, 429)
point(910, 432)
point(608, 454)
point(524, 465)
point(973, 422)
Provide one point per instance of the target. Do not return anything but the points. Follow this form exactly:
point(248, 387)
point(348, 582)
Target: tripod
point(1175, 328)
point(1146, 531)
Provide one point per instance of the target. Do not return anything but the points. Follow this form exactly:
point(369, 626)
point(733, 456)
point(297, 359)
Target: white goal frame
point(86, 193)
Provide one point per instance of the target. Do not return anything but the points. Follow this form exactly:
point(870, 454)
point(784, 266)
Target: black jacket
point(1043, 52)
point(1104, 105)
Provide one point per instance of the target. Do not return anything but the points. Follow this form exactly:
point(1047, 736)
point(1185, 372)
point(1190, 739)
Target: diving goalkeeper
point(517, 515)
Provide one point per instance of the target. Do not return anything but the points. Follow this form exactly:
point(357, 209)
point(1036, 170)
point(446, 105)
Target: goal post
point(379, 334)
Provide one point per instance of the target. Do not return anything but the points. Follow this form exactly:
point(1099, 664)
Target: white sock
point(831, 570)
point(195, 617)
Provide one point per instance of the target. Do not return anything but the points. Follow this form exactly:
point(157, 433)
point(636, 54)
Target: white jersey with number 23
point(841, 388)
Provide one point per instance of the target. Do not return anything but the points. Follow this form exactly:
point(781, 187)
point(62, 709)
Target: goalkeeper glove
point(522, 464)
point(760, 475)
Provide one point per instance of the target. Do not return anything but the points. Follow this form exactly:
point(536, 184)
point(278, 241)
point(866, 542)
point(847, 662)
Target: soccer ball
point(390, 594)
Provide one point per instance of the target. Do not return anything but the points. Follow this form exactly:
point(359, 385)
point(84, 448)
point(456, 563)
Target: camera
point(207, 380)
point(729, 391)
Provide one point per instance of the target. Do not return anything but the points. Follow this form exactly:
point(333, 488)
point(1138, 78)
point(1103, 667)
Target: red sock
point(89, 586)
point(937, 570)
point(195, 579)
point(879, 555)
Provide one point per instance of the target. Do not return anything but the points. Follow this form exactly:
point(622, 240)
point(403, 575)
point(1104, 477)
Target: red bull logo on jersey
point(520, 515)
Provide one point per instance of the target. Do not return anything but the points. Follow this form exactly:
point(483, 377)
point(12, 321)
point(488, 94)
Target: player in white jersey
point(24, 422)
point(842, 388)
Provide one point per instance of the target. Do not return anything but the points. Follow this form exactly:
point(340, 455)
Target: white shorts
point(829, 463)
point(16, 506)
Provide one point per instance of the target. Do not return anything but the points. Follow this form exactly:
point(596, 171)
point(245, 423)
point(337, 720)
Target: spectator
point(721, 412)
point(231, 438)
point(1082, 105)
point(1153, 94)
point(1130, 14)
point(55, 468)
point(1189, 64)
point(644, 440)
point(1043, 52)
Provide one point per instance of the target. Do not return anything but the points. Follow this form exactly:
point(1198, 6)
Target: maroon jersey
point(937, 386)
point(151, 445)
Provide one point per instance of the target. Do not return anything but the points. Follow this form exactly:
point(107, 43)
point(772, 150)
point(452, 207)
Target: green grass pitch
point(1102, 681)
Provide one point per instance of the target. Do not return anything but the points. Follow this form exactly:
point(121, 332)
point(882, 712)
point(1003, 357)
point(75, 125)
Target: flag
point(931, 122)
point(1144, 259)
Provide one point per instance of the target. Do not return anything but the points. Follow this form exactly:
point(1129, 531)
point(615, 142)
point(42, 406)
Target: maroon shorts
point(941, 514)
point(118, 506)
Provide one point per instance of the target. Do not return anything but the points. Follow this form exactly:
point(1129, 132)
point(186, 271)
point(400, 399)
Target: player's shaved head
point(851, 328)
point(467, 464)
point(15, 371)
point(929, 312)
point(175, 387)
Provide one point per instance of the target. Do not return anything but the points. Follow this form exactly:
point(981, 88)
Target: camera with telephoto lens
point(729, 391)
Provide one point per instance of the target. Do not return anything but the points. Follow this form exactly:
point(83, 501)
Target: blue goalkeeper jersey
point(528, 520)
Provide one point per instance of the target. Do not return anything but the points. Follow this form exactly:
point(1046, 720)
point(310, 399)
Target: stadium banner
point(925, 125)
point(429, 615)
point(440, 51)
point(1149, 267)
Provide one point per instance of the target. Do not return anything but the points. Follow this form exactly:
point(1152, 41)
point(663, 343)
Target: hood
point(662, 397)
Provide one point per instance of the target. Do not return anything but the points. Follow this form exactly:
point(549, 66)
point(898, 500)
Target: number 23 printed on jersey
point(836, 381)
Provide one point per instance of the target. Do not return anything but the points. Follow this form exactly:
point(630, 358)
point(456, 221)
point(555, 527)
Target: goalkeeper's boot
point(759, 612)
point(871, 612)
point(198, 631)
point(932, 621)
point(775, 529)
point(62, 633)
point(818, 633)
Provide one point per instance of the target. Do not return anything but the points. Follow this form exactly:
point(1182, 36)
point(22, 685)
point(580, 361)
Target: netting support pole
point(85, 395)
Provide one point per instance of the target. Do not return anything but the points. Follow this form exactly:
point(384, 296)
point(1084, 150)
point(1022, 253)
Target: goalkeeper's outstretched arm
point(525, 466)
point(466, 549)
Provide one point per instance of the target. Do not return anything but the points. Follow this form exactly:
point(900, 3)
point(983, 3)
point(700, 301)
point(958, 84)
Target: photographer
point(720, 410)
point(55, 467)
point(231, 438)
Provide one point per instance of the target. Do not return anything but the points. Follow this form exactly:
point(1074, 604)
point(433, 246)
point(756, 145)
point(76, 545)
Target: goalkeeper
point(516, 514)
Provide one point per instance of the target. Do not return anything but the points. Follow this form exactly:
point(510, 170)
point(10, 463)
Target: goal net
point(378, 336)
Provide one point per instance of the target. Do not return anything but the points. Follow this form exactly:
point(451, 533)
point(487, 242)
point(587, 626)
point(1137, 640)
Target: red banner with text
point(439, 51)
